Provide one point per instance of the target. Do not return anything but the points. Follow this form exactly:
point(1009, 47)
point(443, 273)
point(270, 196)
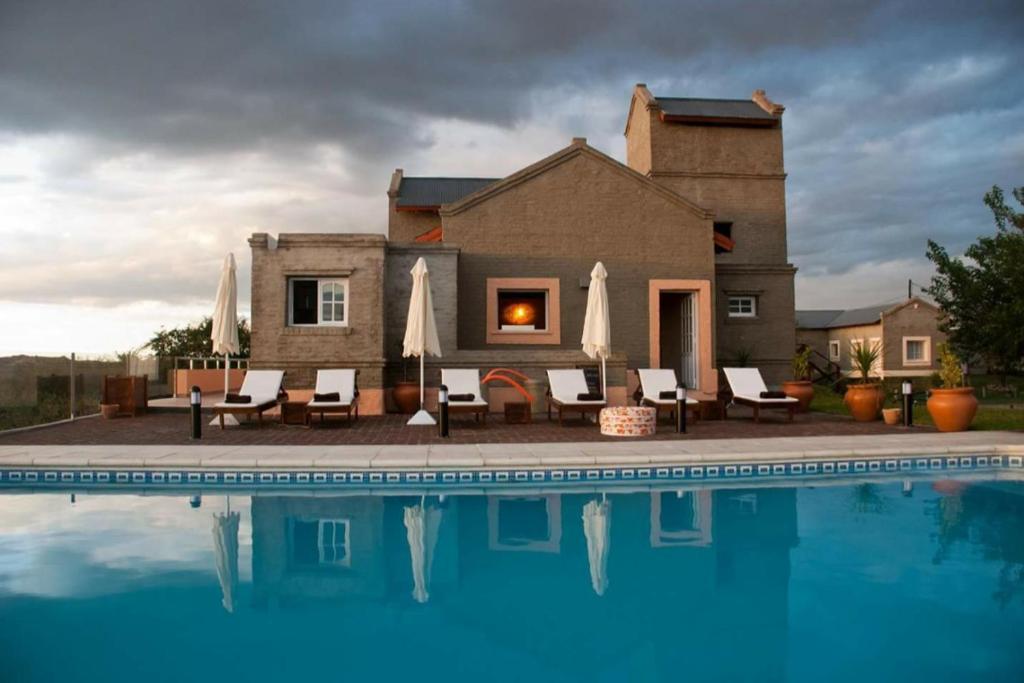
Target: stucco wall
point(558, 224)
point(299, 351)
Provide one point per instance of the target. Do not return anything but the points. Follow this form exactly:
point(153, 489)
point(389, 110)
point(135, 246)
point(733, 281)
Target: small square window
point(916, 350)
point(742, 307)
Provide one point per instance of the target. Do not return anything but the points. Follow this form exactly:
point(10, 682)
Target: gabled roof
point(431, 193)
point(867, 315)
point(579, 147)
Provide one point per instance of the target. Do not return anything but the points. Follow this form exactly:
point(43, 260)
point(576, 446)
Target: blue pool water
point(891, 580)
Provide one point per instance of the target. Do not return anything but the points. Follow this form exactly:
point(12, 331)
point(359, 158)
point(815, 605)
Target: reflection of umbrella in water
point(421, 525)
point(597, 527)
point(225, 555)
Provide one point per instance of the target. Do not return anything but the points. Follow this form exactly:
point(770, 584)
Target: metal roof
point(815, 320)
point(421, 192)
point(693, 107)
point(868, 315)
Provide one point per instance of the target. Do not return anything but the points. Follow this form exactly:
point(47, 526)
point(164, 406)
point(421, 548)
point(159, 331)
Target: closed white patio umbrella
point(422, 524)
point(421, 331)
point(225, 321)
point(597, 326)
point(597, 527)
point(225, 555)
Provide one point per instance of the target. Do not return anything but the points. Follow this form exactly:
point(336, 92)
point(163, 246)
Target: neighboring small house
point(908, 333)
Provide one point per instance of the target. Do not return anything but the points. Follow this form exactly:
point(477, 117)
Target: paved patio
point(165, 428)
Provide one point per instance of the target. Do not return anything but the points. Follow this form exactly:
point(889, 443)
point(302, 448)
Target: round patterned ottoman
point(629, 421)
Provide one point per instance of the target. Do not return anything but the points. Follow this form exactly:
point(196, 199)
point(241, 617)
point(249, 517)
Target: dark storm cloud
point(900, 114)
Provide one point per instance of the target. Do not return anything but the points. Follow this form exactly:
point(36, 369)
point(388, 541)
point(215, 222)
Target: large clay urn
point(864, 401)
point(952, 410)
point(800, 389)
point(406, 395)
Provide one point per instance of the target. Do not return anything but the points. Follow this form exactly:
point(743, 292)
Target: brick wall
point(558, 223)
point(300, 351)
point(916, 319)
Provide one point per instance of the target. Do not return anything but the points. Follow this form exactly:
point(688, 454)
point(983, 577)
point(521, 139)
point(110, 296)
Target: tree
point(194, 340)
point(982, 294)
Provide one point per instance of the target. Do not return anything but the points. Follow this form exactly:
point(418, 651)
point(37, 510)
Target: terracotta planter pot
point(801, 390)
point(406, 395)
point(952, 410)
point(864, 401)
point(109, 410)
point(892, 416)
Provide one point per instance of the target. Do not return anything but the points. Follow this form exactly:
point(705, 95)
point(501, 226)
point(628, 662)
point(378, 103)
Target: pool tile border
point(312, 478)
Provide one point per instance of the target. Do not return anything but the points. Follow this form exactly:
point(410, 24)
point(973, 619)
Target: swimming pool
point(888, 579)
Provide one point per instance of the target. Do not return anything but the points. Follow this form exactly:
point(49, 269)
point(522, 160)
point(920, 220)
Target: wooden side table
point(293, 412)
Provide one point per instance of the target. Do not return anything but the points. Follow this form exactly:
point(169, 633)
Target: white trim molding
point(926, 351)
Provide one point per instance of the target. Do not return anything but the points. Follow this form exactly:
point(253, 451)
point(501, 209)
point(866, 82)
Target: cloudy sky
point(140, 141)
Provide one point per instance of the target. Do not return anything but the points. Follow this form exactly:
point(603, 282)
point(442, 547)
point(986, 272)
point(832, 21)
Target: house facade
point(907, 334)
point(691, 229)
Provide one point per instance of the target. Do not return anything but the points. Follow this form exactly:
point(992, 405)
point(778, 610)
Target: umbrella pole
point(421, 382)
point(227, 371)
point(604, 378)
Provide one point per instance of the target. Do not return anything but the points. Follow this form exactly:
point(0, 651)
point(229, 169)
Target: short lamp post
point(908, 404)
point(680, 408)
point(195, 402)
point(442, 410)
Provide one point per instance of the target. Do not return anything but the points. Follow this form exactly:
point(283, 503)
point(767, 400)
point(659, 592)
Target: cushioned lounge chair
point(464, 382)
point(564, 388)
point(747, 385)
point(654, 381)
point(341, 382)
point(262, 388)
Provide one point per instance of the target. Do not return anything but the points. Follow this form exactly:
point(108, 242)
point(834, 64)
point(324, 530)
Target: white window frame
point(327, 550)
point(740, 300)
point(926, 357)
point(834, 344)
point(320, 283)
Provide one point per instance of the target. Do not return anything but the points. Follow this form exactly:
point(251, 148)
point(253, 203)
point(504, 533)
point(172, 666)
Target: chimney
point(761, 99)
point(396, 181)
point(579, 142)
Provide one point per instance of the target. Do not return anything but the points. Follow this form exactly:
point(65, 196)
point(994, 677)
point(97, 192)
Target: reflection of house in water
point(692, 576)
point(320, 548)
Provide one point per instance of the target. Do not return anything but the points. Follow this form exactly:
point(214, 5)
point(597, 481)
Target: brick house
point(692, 231)
point(907, 333)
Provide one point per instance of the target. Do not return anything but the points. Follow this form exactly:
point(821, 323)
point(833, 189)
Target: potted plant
point(953, 405)
point(800, 386)
point(406, 393)
point(864, 400)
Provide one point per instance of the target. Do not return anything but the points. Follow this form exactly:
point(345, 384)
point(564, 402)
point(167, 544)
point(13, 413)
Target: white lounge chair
point(747, 385)
point(341, 382)
point(464, 382)
point(654, 381)
point(262, 388)
point(564, 386)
